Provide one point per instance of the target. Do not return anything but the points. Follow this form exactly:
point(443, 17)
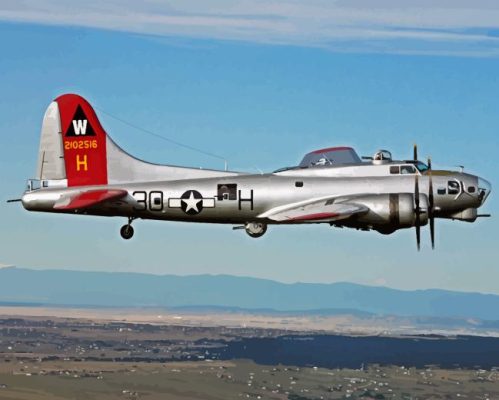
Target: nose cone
point(484, 189)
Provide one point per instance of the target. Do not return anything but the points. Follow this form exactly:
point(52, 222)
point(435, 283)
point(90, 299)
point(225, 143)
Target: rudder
point(84, 142)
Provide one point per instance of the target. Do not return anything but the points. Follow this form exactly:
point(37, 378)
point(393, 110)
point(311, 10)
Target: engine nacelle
point(389, 212)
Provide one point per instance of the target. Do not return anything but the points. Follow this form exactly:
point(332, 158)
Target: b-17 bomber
point(81, 170)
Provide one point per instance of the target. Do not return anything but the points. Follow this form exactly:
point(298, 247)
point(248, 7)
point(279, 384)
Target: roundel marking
point(191, 202)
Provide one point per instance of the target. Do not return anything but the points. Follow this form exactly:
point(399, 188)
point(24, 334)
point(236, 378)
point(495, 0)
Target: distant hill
point(106, 289)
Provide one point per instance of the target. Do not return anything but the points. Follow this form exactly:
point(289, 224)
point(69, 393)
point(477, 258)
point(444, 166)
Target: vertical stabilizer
point(50, 156)
point(75, 149)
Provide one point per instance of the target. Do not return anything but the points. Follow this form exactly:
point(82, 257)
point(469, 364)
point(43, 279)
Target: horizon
point(66, 288)
point(245, 277)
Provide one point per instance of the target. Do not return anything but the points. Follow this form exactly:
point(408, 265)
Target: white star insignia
point(191, 203)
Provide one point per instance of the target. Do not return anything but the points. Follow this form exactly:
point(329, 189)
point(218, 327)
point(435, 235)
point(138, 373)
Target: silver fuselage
point(256, 194)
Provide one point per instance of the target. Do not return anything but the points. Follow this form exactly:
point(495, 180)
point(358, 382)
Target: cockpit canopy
point(330, 156)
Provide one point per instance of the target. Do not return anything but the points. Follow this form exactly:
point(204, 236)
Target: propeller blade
point(416, 192)
point(430, 188)
point(417, 211)
point(415, 152)
point(418, 235)
point(430, 205)
point(432, 232)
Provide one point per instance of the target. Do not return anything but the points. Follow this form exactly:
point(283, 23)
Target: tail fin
point(75, 146)
point(84, 142)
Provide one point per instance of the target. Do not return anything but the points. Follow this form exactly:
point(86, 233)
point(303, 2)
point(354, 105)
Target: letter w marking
point(80, 126)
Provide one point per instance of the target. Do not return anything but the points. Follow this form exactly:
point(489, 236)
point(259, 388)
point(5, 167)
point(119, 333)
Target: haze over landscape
point(101, 289)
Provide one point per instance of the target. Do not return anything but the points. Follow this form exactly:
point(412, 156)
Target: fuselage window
point(407, 169)
point(441, 191)
point(471, 189)
point(299, 184)
point(33, 184)
point(452, 187)
point(394, 169)
point(227, 191)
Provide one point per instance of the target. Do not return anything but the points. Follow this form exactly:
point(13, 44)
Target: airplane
point(82, 171)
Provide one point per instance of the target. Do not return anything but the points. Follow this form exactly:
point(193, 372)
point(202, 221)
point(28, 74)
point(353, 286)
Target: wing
point(315, 210)
point(89, 198)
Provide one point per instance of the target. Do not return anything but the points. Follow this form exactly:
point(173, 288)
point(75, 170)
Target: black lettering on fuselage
point(248, 200)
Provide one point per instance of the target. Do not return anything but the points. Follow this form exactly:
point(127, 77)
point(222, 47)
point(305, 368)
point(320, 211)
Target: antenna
point(167, 139)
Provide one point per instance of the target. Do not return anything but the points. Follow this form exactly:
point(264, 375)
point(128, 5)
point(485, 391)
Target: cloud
point(447, 27)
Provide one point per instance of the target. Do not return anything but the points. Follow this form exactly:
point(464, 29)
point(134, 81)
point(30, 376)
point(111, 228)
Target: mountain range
point(117, 289)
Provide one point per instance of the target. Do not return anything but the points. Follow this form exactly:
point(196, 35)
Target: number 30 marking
point(155, 202)
point(141, 198)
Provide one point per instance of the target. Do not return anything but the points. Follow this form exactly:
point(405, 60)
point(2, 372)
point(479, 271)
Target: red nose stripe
point(92, 198)
point(313, 217)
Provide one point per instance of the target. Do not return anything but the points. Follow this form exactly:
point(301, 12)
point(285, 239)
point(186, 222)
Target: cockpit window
point(394, 169)
point(322, 161)
point(407, 169)
point(330, 156)
point(422, 167)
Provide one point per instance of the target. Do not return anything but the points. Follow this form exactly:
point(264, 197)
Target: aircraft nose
point(484, 189)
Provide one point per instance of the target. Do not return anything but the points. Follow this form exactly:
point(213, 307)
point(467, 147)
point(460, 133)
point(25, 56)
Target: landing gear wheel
point(126, 231)
point(255, 229)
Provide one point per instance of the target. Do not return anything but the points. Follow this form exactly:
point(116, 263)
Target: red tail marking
point(313, 217)
point(92, 198)
point(84, 142)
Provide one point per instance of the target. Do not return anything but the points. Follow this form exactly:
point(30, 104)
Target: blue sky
point(261, 99)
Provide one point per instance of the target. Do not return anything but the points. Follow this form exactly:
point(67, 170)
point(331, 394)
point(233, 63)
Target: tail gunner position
point(81, 170)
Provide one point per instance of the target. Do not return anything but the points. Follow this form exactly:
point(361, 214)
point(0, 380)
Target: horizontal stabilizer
point(89, 198)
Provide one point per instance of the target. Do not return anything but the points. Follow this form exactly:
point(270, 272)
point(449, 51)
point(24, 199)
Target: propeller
point(430, 205)
point(417, 210)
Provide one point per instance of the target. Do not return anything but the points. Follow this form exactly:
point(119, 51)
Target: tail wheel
point(126, 231)
point(255, 229)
